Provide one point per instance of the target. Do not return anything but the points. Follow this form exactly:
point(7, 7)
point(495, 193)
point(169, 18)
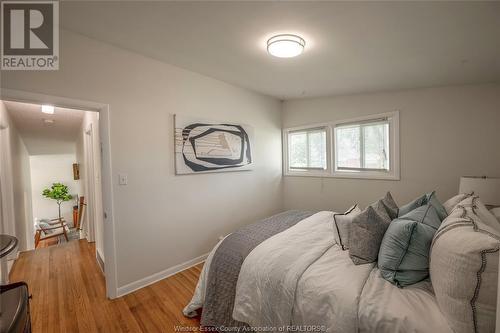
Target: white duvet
point(301, 278)
point(292, 279)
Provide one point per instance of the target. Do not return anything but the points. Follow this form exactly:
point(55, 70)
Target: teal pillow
point(429, 198)
point(403, 258)
point(412, 205)
point(433, 201)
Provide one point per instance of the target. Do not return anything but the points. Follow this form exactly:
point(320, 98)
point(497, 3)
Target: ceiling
point(40, 138)
point(351, 47)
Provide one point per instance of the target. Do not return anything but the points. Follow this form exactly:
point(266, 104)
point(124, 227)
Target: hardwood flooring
point(69, 295)
point(47, 242)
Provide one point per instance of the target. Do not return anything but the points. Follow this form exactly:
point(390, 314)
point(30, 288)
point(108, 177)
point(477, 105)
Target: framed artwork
point(76, 171)
point(203, 146)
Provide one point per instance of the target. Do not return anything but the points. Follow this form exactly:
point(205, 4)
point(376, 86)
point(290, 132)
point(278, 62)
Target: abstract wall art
point(206, 146)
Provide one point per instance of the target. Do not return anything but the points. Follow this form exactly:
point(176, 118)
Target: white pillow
point(452, 202)
point(496, 212)
point(464, 267)
point(341, 225)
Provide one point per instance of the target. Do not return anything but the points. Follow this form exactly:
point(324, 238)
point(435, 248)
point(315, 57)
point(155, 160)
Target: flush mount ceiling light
point(49, 109)
point(285, 45)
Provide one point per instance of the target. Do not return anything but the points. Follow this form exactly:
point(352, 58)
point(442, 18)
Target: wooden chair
point(58, 227)
point(51, 229)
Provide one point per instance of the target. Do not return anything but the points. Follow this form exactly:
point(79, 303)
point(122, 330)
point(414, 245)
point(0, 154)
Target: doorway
point(100, 193)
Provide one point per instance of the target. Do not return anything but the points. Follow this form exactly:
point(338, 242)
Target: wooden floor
point(69, 294)
point(47, 242)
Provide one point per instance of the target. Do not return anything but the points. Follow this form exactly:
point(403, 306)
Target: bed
point(287, 273)
point(294, 275)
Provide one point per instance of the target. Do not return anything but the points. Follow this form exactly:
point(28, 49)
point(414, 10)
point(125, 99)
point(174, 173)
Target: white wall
point(161, 219)
point(444, 133)
point(46, 170)
point(15, 182)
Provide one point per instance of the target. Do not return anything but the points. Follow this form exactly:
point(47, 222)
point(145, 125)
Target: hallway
point(68, 291)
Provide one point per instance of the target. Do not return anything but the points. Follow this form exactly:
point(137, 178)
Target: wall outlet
point(122, 179)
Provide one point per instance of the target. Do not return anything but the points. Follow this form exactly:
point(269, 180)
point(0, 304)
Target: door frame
point(110, 271)
point(90, 180)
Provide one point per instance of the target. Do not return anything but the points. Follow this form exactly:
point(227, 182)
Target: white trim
point(146, 281)
point(106, 172)
point(308, 172)
point(330, 172)
point(394, 168)
point(100, 261)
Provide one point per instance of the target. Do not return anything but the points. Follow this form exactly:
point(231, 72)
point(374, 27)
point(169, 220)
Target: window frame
point(316, 172)
point(331, 150)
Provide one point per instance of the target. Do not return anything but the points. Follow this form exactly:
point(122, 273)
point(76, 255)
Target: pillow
point(452, 202)
point(424, 200)
point(496, 213)
point(390, 206)
point(474, 205)
point(403, 258)
point(44, 225)
point(366, 233)
point(342, 223)
point(433, 201)
point(464, 268)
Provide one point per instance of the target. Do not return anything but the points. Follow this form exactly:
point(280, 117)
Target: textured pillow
point(390, 206)
point(342, 223)
point(403, 258)
point(452, 202)
point(475, 205)
point(366, 233)
point(464, 268)
point(429, 198)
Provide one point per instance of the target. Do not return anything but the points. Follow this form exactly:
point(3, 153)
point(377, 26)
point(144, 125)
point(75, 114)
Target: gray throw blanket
point(226, 264)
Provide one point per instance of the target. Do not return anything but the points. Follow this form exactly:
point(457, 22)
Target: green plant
point(59, 193)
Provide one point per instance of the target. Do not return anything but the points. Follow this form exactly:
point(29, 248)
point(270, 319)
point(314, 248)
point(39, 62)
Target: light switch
point(122, 179)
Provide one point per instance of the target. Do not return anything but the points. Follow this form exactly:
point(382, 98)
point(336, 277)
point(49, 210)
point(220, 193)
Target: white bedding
point(328, 292)
point(265, 291)
point(301, 277)
point(386, 308)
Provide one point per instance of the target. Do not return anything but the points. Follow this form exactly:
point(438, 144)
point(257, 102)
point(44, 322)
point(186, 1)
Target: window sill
point(308, 173)
point(345, 175)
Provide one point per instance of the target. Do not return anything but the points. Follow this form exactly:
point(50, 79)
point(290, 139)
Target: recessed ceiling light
point(285, 45)
point(49, 109)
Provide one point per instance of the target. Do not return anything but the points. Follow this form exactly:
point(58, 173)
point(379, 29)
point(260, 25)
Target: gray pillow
point(403, 258)
point(366, 233)
point(390, 206)
point(429, 198)
point(342, 223)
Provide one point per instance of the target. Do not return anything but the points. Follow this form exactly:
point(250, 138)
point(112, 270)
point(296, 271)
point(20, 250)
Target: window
point(363, 146)
point(307, 150)
point(366, 147)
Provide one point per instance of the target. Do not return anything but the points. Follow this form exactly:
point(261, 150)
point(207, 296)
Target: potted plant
point(58, 192)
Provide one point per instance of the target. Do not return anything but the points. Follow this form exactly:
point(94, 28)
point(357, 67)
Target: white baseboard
point(100, 261)
point(131, 287)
